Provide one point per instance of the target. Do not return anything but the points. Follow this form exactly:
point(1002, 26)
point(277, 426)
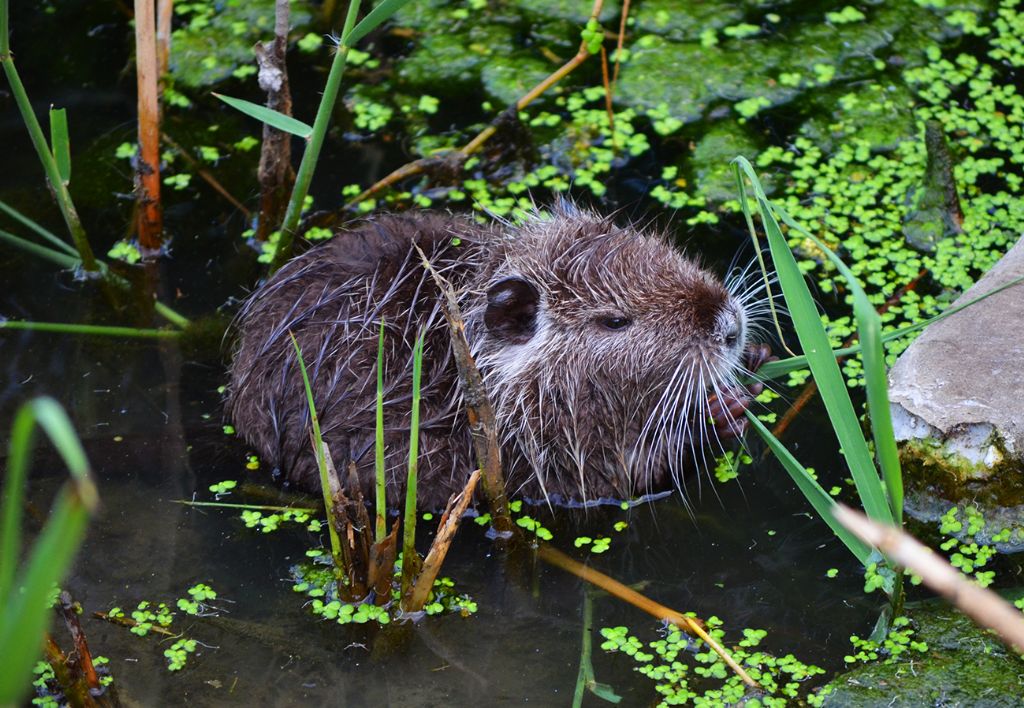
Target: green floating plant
point(158, 617)
point(315, 580)
point(685, 671)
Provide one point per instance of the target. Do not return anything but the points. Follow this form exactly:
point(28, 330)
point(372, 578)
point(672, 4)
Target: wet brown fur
point(585, 411)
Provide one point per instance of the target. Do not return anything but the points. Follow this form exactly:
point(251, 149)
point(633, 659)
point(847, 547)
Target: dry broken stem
point(980, 604)
point(482, 422)
point(442, 541)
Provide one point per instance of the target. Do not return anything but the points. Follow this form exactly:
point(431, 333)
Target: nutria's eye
point(614, 323)
point(732, 337)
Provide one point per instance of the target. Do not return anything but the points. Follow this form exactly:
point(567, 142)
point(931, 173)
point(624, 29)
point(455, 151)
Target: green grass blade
point(170, 315)
point(92, 330)
point(311, 154)
point(321, 463)
point(39, 229)
point(269, 116)
point(869, 329)
point(61, 143)
point(777, 369)
point(22, 434)
point(63, 260)
point(377, 15)
point(409, 532)
point(60, 190)
point(24, 606)
point(817, 496)
point(381, 531)
point(27, 613)
point(52, 418)
point(818, 350)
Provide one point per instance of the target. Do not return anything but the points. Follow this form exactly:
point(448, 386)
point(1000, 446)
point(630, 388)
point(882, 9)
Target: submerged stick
point(585, 679)
point(206, 175)
point(980, 604)
point(446, 529)
point(129, 622)
point(147, 165)
point(483, 426)
point(67, 611)
point(623, 592)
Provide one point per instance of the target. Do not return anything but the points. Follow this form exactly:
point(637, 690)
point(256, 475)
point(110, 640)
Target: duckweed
point(316, 581)
point(685, 671)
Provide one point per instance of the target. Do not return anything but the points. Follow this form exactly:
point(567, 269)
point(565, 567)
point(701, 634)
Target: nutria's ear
point(512, 310)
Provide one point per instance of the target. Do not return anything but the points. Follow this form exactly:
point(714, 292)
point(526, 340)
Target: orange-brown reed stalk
point(147, 166)
point(164, 14)
point(613, 587)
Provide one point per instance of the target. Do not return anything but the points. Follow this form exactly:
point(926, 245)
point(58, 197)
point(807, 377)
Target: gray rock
point(958, 401)
point(962, 380)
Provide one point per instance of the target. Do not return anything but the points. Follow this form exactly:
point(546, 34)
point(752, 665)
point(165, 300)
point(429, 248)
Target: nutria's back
point(599, 346)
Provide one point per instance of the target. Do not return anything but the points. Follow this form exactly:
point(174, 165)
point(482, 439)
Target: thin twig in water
point(129, 622)
point(206, 175)
point(614, 587)
point(457, 157)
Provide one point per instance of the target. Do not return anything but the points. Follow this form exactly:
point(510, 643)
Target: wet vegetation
point(879, 147)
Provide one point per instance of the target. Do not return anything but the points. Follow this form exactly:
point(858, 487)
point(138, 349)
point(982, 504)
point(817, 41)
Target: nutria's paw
point(727, 412)
point(757, 355)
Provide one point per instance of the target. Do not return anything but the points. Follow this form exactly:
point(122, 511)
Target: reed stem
point(35, 132)
point(380, 506)
point(45, 252)
point(147, 167)
point(100, 330)
point(39, 229)
point(172, 316)
point(312, 152)
point(410, 564)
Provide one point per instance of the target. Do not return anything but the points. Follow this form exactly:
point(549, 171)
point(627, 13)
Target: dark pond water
point(151, 418)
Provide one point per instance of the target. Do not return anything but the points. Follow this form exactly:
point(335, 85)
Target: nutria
point(605, 352)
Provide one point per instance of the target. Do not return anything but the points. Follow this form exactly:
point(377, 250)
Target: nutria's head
point(601, 346)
